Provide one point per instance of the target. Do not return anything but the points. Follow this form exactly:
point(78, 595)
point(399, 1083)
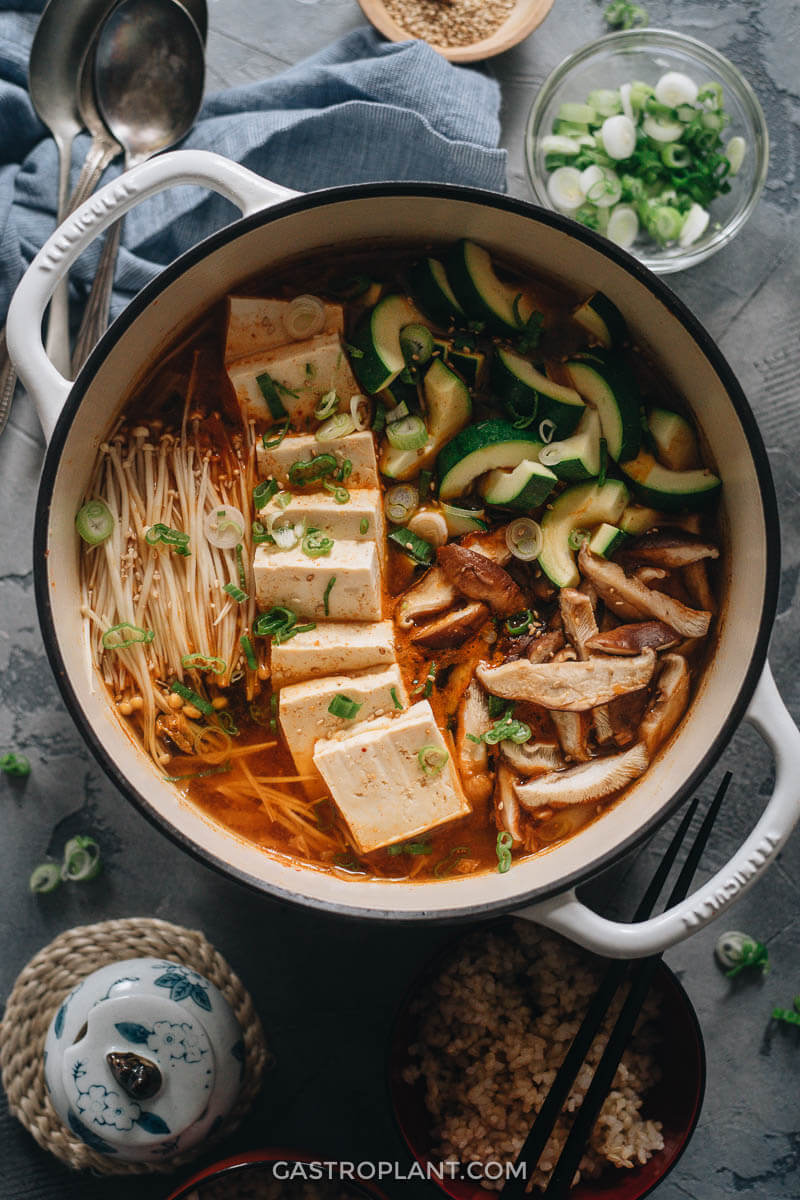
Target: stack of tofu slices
point(371, 762)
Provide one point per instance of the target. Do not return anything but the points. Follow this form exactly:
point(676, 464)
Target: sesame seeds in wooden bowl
point(460, 30)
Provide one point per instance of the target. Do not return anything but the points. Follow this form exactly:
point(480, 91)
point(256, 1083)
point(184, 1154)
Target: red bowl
point(675, 1100)
point(256, 1160)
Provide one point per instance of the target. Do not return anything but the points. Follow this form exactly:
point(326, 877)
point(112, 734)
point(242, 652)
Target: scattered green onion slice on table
point(119, 637)
point(81, 860)
point(503, 848)
point(15, 765)
point(345, 707)
point(45, 878)
point(432, 760)
point(94, 522)
point(791, 1016)
point(736, 951)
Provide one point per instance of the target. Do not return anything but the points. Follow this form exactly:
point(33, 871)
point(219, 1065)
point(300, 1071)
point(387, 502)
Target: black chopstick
point(641, 974)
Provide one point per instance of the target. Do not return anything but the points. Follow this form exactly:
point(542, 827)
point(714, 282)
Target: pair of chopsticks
point(640, 975)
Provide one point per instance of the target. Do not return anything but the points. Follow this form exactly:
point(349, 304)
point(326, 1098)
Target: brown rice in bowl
point(492, 1030)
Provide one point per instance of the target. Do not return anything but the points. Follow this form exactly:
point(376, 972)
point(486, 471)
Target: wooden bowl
point(526, 16)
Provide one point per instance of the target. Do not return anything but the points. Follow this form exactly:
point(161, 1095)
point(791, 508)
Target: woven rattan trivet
point(44, 983)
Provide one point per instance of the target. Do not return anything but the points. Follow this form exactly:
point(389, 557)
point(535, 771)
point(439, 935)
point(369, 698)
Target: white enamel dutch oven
point(278, 224)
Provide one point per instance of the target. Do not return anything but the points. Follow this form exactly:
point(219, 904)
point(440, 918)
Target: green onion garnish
point(790, 1015)
point(345, 471)
point(249, 652)
point(280, 624)
point(432, 760)
point(354, 351)
point(45, 878)
point(344, 706)
point(191, 697)
point(504, 730)
point(269, 391)
point(415, 848)
point(81, 860)
point(577, 537)
point(312, 469)
point(273, 436)
point(504, 844)
point(519, 624)
point(15, 765)
point(174, 538)
point(412, 545)
point(236, 593)
point(363, 525)
point(531, 330)
point(227, 722)
point(240, 567)
point(204, 662)
point(326, 595)
point(340, 494)
point(260, 535)
point(393, 694)
point(426, 686)
point(94, 522)
point(327, 406)
point(348, 862)
point(621, 14)
point(131, 638)
point(263, 492)
point(379, 420)
point(284, 499)
point(315, 544)
point(218, 770)
point(447, 865)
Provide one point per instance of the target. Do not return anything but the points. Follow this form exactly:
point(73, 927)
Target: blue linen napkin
point(361, 110)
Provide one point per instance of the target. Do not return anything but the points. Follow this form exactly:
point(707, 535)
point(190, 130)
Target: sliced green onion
point(273, 436)
point(221, 769)
point(260, 535)
point(270, 622)
point(447, 865)
point(790, 1015)
point(523, 538)
point(353, 351)
point(412, 545)
point(204, 662)
point(249, 652)
point(132, 636)
point(503, 848)
point(414, 848)
point(345, 707)
point(94, 522)
point(81, 860)
point(505, 730)
point(45, 878)
point(345, 471)
point(240, 566)
point(395, 701)
point(269, 390)
point(416, 344)
point(339, 493)
point(227, 722)
point(432, 760)
point(409, 433)
point(426, 686)
point(326, 595)
point(335, 427)
point(327, 405)
point(263, 493)
point(236, 593)
point(520, 623)
point(316, 545)
point(174, 538)
point(312, 469)
point(737, 951)
point(400, 502)
point(304, 318)
point(284, 499)
point(577, 537)
point(621, 14)
point(15, 765)
point(363, 525)
point(224, 526)
point(191, 697)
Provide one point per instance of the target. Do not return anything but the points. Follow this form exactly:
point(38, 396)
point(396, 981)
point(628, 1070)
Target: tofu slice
point(359, 448)
point(256, 324)
point(308, 369)
point(359, 520)
point(304, 717)
point(378, 785)
point(332, 648)
point(292, 579)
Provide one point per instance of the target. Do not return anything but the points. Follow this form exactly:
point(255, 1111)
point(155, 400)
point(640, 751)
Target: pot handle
point(565, 914)
point(47, 386)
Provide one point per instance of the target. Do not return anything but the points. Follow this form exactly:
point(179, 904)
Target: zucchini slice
point(638, 519)
point(577, 458)
point(607, 539)
point(377, 336)
point(481, 448)
point(602, 319)
point(674, 438)
point(470, 365)
point(606, 382)
point(503, 306)
point(582, 506)
point(526, 487)
point(526, 392)
point(671, 491)
point(464, 520)
point(449, 409)
point(432, 293)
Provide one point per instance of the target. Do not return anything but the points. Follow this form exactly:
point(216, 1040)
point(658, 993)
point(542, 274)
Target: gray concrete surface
point(327, 990)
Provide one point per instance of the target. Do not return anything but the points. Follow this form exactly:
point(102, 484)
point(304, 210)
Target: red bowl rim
point(273, 1154)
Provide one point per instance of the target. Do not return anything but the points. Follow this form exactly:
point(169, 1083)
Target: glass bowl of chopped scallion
point(652, 139)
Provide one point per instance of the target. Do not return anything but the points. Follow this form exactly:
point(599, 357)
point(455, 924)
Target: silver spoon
point(149, 72)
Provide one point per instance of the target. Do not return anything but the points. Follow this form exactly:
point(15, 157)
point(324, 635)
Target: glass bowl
point(645, 54)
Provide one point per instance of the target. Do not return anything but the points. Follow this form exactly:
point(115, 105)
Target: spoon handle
point(95, 316)
point(8, 381)
point(101, 152)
